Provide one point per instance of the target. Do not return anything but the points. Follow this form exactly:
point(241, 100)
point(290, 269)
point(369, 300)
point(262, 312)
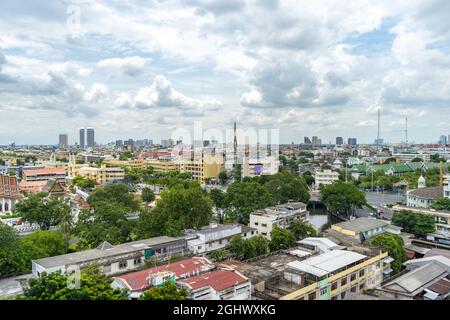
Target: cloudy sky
point(141, 69)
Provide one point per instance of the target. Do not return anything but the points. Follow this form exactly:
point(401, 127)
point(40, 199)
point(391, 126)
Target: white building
point(218, 285)
point(447, 186)
point(215, 236)
point(265, 220)
point(325, 177)
point(252, 167)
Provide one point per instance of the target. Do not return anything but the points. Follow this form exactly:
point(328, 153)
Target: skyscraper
point(90, 138)
point(63, 141)
point(443, 139)
point(339, 141)
point(307, 140)
point(82, 138)
point(352, 142)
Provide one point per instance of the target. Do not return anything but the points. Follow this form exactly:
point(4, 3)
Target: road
point(377, 200)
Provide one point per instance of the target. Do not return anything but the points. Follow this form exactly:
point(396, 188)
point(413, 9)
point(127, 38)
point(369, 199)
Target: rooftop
point(103, 252)
point(44, 171)
point(327, 262)
point(139, 280)
point(361, 224)
point(428, 193)
point(218, 280)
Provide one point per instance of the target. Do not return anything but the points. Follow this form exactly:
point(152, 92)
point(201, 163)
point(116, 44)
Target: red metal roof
point(154, 154)
point(44, 171)
point(219, 280)
point(137, 281)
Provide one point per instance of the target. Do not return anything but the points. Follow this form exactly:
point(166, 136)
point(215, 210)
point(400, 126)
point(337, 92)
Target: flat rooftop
point(103, 251)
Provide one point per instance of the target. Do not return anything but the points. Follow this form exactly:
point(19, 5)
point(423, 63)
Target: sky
point(144, 69)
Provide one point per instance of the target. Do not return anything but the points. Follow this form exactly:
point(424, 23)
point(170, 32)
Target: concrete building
point(82, 138)
point(138, 282)
point(218, 285)
point(339, 141)
point(9, 193)
point(443, 140)
point(58, 174)
point(325, 177)
point(352, 142)
point(361, 228)
point(335, 274)
point(63, 141)
point(113, 260)
point(447, 186)
point(265, 220)
point(252, 167)
point(215, 236)
point(90, 135)
point(101, 175)
point(423, 197)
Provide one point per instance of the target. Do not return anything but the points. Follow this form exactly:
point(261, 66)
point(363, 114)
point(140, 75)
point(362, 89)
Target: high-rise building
point(352, 142)
point(307, 140)
point(339, 141)
point(119, 144)
point(90, 138)
point(82, 138)
point(63, 141)
point(315, 141)
point(443, 139)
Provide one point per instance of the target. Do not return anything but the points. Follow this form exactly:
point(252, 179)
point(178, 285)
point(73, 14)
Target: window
point(264, 224)
point(353, 277)
point(343, 295)
point(123, 264)
point(323, 291)
point(343, 281)
point(361, 273)
point(361, 287)
point(353, 289)
point(334, 286)
point(312, 296)
point(199, 247)
point(137, 261)
point(256, 223)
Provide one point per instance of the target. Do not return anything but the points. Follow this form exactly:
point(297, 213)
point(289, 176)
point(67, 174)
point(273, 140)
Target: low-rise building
point(58, 174)
point(265, 220)
point(112, 260)
point(216, 236)
point(138, 282)
point(361, 228)
point(218, 285)
point(423, 279)
point(253, 167)
point(423, 197)
point(325, 177)
point(103, 174)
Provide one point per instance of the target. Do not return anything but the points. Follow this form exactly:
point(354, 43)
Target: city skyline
point(314, 71)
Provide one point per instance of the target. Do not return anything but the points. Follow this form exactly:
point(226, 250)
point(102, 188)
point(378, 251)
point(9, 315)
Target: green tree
point(13, 258)
point(308, 177)
point(301, 229)
point(219, 255)
point(117, 193)
point(281, 239)
point(242, 198)
point(412, 222)
point(283, 160)
point(238, 173)
point(84, 183)
point(179, 208)
point(244, 249)
point(218, 197)
point(342, 198)
point(44, 211)
point(284, 187)
point(148, 195)
point(168, 291)
point(41, 244)
point(223, 177)
point(393, 244)
point(54, 286)
point(442, 203)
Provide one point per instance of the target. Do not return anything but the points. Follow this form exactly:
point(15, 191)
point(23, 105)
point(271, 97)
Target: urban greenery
point(393, 244)
point(416, 223)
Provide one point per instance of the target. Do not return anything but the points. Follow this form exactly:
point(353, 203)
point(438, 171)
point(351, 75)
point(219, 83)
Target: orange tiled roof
point(44, 171)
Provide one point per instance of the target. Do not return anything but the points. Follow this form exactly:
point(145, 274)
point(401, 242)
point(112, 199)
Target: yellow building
point(129, 164)
point(337, 274)
point(103, 174)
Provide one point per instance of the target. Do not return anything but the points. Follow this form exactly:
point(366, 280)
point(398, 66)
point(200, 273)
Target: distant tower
point(421, 183)
point(235, 145)
point(90, 138)
point(82, 139)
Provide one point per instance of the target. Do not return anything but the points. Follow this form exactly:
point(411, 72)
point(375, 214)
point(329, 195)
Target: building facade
point(325, 177)
point(265, 220)
point(9, 193)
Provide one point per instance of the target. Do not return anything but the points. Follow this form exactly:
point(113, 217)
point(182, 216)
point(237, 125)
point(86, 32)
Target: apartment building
point(447, 186)
point(102, 175)
point(325, 177)
point(112, 260)
point(335, 274)
point(216, 236)
point(265, 220)
point(252, 167)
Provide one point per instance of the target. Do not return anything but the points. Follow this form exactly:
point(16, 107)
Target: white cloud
point(130, 66)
